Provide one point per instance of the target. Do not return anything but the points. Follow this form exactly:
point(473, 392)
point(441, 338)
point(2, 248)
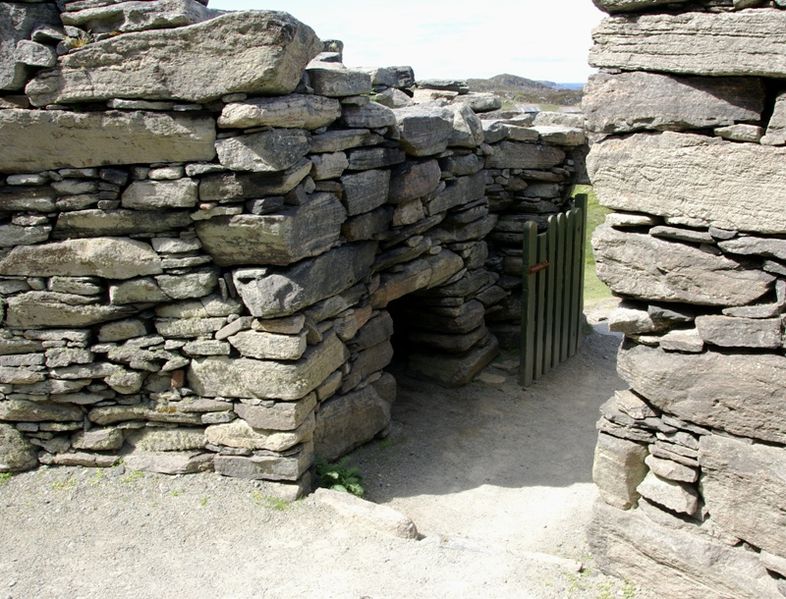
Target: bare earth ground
point(497, 478)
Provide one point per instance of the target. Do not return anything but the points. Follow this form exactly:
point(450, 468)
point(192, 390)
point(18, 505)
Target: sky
point(538, 39)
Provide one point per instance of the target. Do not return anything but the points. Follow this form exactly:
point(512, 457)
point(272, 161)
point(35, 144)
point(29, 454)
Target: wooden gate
point(553, 292)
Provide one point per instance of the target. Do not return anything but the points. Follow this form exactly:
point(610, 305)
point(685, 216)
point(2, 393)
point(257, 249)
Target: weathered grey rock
point(723, 184)
point(757, 311)
point(336, 81)
point(467, 127)
point(12, 235)
point(282, 238)
point(99, 223)
point(365, 191)
point(167, 439)
point(269, 293)
point(191, 285)
point(328, 166)
point(226, 377)
point(776, 128)
point(17, 22)
point(191, 63)
point(269, 151)
point(135, 15)
point(239, 434)
point(682, 234)
point(269, 346)
point(370, 116)
point(225, 187)
point(676, 561)
point(631, 321)
point(346, 422)
point(728, 331)
point(100, 138)
point(278, 415)
point(695, 43)
point(294, 111)
point(510, 154)
point(169, 462)
point(736, 393)
point(456, 369)
point(34, 199)
point(267, 465)
point(16, 452)
point(98, 439)
point(187, 328)
point(744, 491)
point(414, 180)
point(638, 101)
point(20, 410)
point(481, 102)
point(36, 309)
point(382, 518)
point(675, 496)
point(618, 469)
point(154, 195)
point(392, 98)
point(641, 266)
point(755, 246)
point(613, 6)
point(138, 291)
point(425, 130)
point(343, 139)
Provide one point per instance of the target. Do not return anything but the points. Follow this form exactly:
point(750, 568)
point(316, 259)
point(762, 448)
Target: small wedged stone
point(98, 439)
point(191, 63)
point(729, 331)
point(279, 415)
point(269, 346)
point(283, 238)
point(107, 257)
point(370, 116)
point(644, 267)
point(673, 495)
point(21, 410)
point(511, 154)
point(236, 186)
point(240, 434)
point(155, 195)
point(17, 23)
point(365, 191)
point(297, 111)
point(336, 81)
point(270, 293)
point(163, 439)
point(267, 465)
point(88, 139)
point(243, 377)
point(736, 393)
point(742, 43)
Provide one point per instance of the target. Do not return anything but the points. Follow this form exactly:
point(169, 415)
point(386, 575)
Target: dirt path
point(498, 480)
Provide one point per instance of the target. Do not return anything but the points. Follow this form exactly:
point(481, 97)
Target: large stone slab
point(269, 293)
point(297, 111)
point(744, 490)
point(16, 452)
point(98, 223)
point(37, 309)
point(675, 560)
point(347, 421)
point(645, 267)
point(736, 393)
point(267, 55)
point(728, 331)
point(231, 187)
point(653, 101)
point(17, 22)
point(729, 185)
point(108, 257)
point(41, 140)
point(613, 6)
point(136, 15)
point(268, 466)
point(219, 376)
point(282, 238)
point(746, 43)
point(511, 154)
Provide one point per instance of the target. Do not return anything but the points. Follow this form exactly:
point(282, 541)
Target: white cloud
point(539, 39)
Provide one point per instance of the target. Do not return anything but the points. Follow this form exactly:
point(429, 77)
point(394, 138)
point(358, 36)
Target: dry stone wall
point(205, 222)
point(686, 118)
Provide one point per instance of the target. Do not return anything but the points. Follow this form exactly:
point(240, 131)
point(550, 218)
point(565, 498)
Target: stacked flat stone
point(687, 119)
point(203, 232)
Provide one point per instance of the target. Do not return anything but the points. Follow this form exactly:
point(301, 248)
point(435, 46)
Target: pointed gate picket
point(553, 290)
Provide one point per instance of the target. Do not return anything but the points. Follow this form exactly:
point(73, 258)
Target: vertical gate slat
point(540, 315)
point(548, 325)
point(581, 235)
point(559, 270)
point(526, 372)
point(567, 302)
